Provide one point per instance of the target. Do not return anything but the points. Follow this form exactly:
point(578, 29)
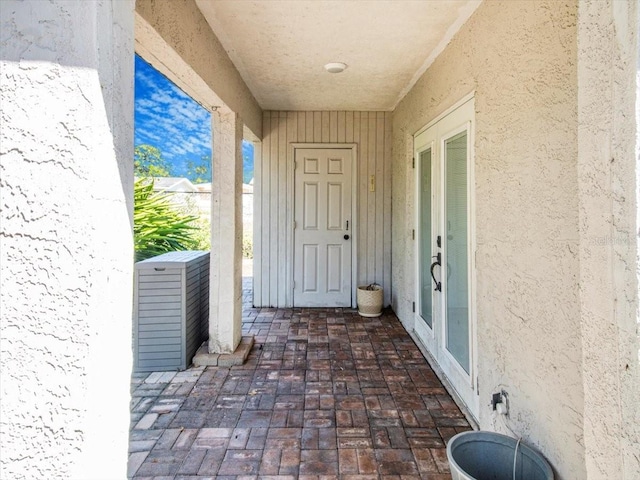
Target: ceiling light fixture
point(335, 67)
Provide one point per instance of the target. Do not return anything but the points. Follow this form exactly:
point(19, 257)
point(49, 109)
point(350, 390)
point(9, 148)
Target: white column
point(66, 157)
point(607, 169)
point(225, 299)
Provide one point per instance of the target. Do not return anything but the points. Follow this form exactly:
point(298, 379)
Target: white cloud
point(167, 118)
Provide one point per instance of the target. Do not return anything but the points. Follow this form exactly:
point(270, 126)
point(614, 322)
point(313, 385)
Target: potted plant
point(369, 298)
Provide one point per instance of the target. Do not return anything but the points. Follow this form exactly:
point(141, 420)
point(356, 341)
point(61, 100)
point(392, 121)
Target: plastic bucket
point(490, 456)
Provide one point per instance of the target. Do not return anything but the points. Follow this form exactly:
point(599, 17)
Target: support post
point(66, 255)
point(225, 309)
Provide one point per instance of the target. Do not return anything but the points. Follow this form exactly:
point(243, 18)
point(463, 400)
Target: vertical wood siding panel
point(257, 220)
point(333, 127)
point(379, 205)
point(325, 127)
point(282, 261)
point(287, 255)
point(293, 120)
point(266, 210)
point(301, 133)
point(309, 127)
point(371, 131)
point(371, 201)
point(341, 127)
point(275, 167)
point(386, 255)
point(280, 266)
point(355, 128)
point(317, 127)
point(348, 137)
point(364, 195)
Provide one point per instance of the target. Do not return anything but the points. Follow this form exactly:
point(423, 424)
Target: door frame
point(290, 247)
point(431, 339)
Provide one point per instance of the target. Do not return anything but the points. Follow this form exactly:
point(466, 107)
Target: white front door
point(322, 227)
point(445, 273)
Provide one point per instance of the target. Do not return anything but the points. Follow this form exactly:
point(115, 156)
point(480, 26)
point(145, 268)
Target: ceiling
point(280, 47)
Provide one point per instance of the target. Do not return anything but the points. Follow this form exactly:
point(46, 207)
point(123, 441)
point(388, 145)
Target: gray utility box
point(171, 310)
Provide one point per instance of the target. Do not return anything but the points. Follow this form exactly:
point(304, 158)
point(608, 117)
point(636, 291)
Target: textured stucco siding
point(225, 293)
point(608, 179)
point(520, 60)
point(66, 253)
point(556, 165)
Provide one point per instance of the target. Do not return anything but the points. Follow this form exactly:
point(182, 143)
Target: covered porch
point(534, 268)
point(324, 394)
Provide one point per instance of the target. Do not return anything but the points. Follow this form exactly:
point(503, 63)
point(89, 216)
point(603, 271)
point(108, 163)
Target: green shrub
point(202, 233)
point(158, 226)
point(247, 245)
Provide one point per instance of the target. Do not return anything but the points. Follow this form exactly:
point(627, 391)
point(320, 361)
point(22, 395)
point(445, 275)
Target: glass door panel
point(426, 285)
point(444, 314)
point(456, 282)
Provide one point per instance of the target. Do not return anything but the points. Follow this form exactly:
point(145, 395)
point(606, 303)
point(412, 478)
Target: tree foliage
point(199, 172)
point(159, 226)
point(148, 162)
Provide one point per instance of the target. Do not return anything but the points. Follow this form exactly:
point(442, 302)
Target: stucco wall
point(225, 272)
point(520, 59)
point(556, 187)
point(66, 254)
point(608, 206)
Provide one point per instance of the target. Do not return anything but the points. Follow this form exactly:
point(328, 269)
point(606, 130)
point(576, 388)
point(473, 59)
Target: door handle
point(438, 263)
point(346, 237)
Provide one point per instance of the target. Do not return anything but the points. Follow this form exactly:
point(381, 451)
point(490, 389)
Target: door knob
point(346, 237)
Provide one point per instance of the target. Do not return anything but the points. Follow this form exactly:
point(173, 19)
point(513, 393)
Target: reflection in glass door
point(426, 287)
point(456, 246)
point(444, 271)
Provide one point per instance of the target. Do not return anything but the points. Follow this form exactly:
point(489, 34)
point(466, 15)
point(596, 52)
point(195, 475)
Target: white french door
point(445, 277)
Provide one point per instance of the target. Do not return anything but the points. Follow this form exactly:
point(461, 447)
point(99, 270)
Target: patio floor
point(324, 394)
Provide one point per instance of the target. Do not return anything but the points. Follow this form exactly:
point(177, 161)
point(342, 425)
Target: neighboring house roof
point(173, 184)
point(206, 187)
point(180, 184)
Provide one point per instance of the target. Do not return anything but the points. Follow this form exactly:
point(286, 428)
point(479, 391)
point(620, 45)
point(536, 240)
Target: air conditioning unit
point(171, 310)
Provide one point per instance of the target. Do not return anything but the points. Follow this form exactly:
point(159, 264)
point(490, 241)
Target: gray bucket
point(490, 456)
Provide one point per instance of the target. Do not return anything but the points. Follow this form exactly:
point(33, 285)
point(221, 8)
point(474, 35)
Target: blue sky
point(167, 118)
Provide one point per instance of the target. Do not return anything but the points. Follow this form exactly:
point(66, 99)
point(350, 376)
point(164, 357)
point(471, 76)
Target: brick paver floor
point(324, 394)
